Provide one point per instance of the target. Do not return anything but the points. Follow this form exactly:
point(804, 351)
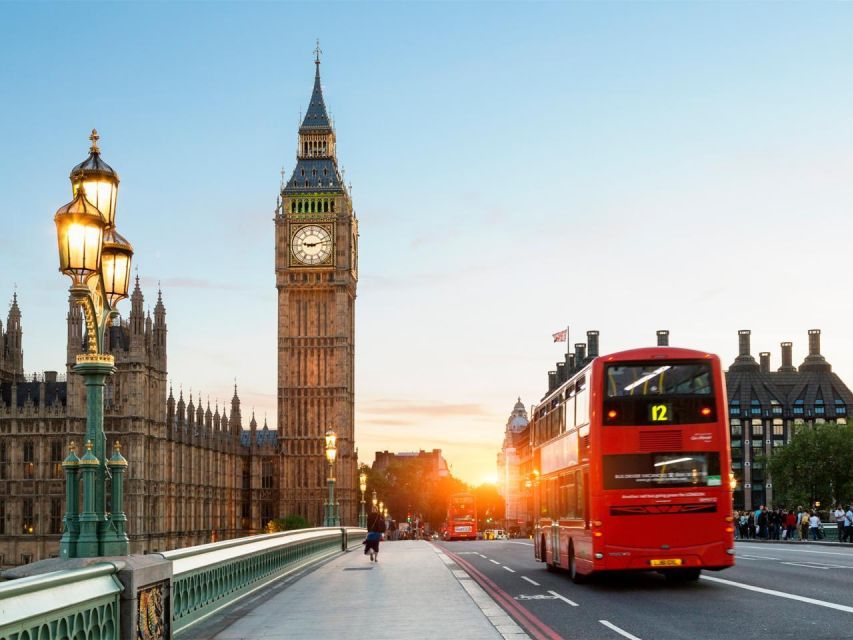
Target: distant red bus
point(462, 517)
point(633, 459)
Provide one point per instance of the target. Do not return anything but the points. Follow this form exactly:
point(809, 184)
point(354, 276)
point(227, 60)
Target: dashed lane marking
point(508, 569)
point(482, 556)
point(745, 557)
point(526, 544)
point(781, 594)
point(533, 582)
point(495, 561)
point(621, 632)
point(564, 599)
point(535, 596)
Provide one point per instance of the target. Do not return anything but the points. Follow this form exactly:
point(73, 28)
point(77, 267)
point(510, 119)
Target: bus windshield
point(462, 509)
point(658, 379)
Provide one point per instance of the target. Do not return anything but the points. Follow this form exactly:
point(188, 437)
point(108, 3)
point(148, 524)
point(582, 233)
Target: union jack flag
point(561, 336)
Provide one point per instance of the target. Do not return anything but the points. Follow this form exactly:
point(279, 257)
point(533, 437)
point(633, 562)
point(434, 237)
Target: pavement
point(415, 588)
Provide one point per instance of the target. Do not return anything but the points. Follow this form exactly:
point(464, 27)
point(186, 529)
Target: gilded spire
point(94, 138)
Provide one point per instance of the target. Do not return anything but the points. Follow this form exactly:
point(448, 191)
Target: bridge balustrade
point(111, 600)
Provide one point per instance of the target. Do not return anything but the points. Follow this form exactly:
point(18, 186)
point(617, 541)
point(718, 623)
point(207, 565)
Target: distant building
point(514, 467)
point(765, 407)
point(432, 461)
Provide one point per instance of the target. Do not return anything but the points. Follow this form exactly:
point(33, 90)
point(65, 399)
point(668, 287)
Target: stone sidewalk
point(413, 591)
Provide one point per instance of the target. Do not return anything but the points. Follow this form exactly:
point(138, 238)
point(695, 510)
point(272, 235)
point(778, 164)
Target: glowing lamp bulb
point(706, 411)
point(612, 414)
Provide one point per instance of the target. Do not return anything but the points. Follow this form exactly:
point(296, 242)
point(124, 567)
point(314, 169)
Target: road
point(776, 591)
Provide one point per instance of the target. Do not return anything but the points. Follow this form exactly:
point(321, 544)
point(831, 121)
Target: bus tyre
point(577, 578)
point(683, 575)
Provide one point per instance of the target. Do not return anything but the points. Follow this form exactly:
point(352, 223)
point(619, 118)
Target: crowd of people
point(791, 524)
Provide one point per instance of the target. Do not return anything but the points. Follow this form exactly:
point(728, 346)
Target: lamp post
point(332, 519)
point(374, 501)
point(362, 484)
point(97, 259)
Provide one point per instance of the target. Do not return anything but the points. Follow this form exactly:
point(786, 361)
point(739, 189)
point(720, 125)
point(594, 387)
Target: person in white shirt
point(839, 522)
point(848, 525)
point(814, 526)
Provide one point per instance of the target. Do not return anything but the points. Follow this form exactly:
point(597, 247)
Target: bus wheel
point(577, 578)
point(683, 575)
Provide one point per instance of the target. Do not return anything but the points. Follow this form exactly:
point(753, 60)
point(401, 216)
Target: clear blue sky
point(516, 167)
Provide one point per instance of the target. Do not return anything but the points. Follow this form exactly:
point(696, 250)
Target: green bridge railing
point(112, 600)
point(79, 603)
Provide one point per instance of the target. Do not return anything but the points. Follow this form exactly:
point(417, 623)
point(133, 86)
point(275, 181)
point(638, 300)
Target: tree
point(293, 521)
point(816, 465)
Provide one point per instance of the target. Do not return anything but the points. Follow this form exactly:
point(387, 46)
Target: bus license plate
point(667, 562)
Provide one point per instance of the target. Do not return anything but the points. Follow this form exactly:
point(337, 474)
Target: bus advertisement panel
point(634, 460)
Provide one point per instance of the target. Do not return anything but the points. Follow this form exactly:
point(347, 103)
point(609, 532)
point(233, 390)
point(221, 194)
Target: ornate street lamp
point(362, 484)
point(97, 259)
point(374, 501)
point(332, 519)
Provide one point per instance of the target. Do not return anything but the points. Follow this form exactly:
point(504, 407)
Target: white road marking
point(495, 561)
point(508, 569)
point(745, 557)
point(563, 598)
point(782, 594)
point(482, 556)
point(822, 553)
point(817, 565)
point(621, 632)
point(526, 544)
point(533, 582)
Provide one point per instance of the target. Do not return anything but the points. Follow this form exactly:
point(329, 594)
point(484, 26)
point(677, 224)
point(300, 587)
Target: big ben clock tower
point(316, 236)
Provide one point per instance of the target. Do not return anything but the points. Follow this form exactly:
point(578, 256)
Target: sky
point(516, 167)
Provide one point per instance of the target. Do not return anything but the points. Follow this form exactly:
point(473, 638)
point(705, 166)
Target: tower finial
point(94, 138)
point(317, 52)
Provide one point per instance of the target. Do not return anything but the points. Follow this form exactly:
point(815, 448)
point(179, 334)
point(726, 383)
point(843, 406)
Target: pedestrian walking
point(804, 526)
point(848, 524)
point(375, 529)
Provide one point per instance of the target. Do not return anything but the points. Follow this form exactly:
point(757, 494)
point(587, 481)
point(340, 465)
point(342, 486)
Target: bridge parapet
point(159, 595)
point(76, 603)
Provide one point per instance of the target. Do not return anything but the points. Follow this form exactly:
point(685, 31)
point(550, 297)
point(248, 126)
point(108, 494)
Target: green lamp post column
point(115, 541)
point(97, 259)
point(331, 519)
point(87, 542)
point(70, 523)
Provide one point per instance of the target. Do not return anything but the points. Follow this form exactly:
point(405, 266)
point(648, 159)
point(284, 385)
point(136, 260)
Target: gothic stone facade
point(194, 475)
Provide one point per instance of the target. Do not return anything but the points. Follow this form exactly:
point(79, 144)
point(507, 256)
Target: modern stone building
point(316, 268)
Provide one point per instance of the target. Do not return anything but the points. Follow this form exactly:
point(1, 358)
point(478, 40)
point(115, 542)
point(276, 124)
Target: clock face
point(311, 245)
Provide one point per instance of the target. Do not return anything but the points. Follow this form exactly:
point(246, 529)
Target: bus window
point(570, 408)
point(582, 401)
point(581, 496)
point(568, 490)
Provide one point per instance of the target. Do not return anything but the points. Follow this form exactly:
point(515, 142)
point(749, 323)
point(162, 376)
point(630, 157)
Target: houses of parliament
point(196, 474)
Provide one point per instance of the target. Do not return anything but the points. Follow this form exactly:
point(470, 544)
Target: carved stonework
point(152, 614)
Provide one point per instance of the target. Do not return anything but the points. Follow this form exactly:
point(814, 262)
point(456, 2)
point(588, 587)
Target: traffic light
point(409, 518)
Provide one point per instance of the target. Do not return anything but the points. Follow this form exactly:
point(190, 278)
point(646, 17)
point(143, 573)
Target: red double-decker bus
point(461, 517)
point(633, 459)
